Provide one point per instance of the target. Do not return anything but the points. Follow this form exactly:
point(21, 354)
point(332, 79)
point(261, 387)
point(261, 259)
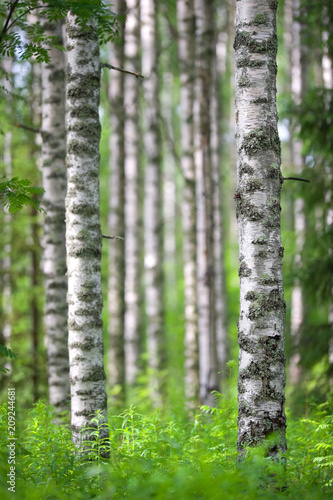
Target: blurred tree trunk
point(153, 225)
point(298, 53)
point(186, 32)
point(36, 318)
point(261, 382)
point(34, 236)
point(220, 299)
point(116, 360)
point(54, 254)
point(5, 313)
point(83, 232)
point(132, 195)
point(204, 11)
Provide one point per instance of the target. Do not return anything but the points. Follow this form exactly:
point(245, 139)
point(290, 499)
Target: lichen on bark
point(262, 306)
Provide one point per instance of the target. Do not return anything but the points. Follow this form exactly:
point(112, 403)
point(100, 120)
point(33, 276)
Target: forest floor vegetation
point(154, 455)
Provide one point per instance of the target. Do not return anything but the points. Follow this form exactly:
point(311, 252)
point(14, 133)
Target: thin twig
point(109, 66)
point(112, 237)
point(12, 8)
point(24, 13)
point(27, 127)
point(295, 179)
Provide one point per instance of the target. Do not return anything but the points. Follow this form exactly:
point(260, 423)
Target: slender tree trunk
point(298, 74)
point(116, 356)
point(204, 192)
point(34, 237)
point(7, 231)
point(132, 197)
point(186, 31)
point(54, 255)
point(36, 319)
point(83, 232)
point(261, 382)
point(153, 226)
point(220, 295)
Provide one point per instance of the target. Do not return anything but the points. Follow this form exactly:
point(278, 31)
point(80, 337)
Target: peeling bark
point(261, 382)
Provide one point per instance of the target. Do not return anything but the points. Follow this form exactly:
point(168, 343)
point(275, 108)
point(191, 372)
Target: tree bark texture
point(186, 47)
point(220, 294)
point(204, 193)
point(153, 220)
point(298, 89)
point(261, 380)
point(132, 196)
point(54, 246)
point(83, 232)
point(116, 356)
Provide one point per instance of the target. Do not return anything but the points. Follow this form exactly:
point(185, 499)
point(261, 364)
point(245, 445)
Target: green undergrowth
point(154, 456)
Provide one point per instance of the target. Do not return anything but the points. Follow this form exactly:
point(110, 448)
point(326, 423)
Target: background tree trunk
point(54, 253)
point(153, 225)
point(186, 47)
point(116, 356)
point(204, 194)
point(132, 197)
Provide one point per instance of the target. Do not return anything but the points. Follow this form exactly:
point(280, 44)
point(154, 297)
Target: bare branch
point(112, 237)
point(26, 127)
point(109, 66)
point(295, 179)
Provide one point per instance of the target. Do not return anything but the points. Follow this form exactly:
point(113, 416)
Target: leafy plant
point(7, 353)
point(16, 193)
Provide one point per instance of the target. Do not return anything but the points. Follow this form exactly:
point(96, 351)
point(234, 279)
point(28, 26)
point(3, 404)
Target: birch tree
point(186, 31)
point(116, 367)
point(83, 232)
point(208, 368)
point(153, 228)
point(261, 382)
point(132, 199)
point(54, 251)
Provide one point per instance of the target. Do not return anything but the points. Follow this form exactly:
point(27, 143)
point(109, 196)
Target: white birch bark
point(261, 381)
point(220, 295)
point(204, 194)
point(83, 233)
point(153, 226)
point(186, 47)
point(116, 360)
point(54, 248)
point(132, 199)
point(297, 89)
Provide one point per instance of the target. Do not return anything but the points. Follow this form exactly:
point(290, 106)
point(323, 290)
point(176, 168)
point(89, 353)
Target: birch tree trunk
point(34, 235)
point(153, 226)
point(220, 295)
point(261, 381)
point(204, 194)
point(186, 31)
point(83, 232)
point(116, 356)
point(132, 199)
point(54, 254)
point(298, 79)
